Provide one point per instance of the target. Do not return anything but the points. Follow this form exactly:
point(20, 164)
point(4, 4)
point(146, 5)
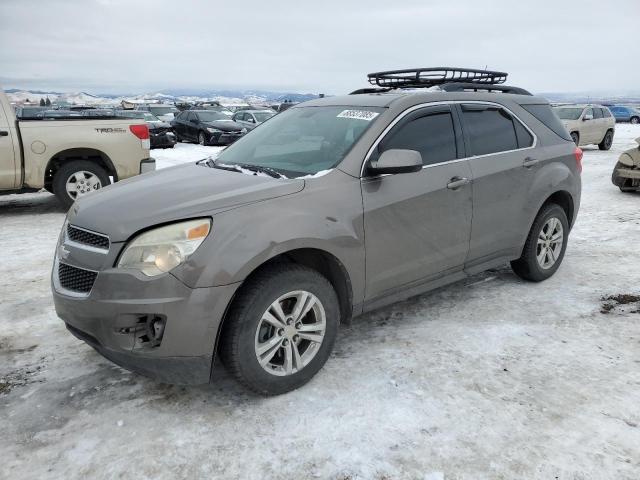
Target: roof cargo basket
point(447, 78)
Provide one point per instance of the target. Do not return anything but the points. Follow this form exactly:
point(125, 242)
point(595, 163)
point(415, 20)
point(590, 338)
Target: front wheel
point(545, 246)
point(202, 139)
point(635, 120)
point(76, 179)
point(281, 329)
point(607, 141)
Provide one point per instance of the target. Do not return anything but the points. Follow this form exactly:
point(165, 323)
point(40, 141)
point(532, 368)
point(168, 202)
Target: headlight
point(163, 249)
point(244, 130)
point(213, 130)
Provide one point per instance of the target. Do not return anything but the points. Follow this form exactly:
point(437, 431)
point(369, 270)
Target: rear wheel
point(280, 329)
point(202, 139)
point(545, 246)
point(607, 141)
point(634, 120)
point(76, 179)
point(575, 137)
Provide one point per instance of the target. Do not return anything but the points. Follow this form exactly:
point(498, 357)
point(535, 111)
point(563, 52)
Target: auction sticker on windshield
point(358, 114)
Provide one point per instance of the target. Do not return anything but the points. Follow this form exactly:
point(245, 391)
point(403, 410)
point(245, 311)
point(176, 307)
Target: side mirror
point(397, 161)
point(588, 116)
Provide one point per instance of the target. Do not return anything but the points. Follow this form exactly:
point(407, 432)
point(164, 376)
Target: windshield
point(568, 113)
point(211, 116)
point(263, 116)
point(302, 141)
point(162, 110)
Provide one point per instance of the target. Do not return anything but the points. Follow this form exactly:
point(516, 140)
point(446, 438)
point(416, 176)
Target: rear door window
point(430, 133)
point(490, 129)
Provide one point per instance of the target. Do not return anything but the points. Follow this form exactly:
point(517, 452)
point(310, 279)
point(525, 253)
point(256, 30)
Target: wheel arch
point(564, 199)
point(88, 154)
point(317, 259)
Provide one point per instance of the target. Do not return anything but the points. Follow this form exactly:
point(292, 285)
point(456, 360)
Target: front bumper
point(113, 318)
point(160, 140)
point(225, 138)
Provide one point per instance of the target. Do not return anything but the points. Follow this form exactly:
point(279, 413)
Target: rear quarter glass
point(545, 114)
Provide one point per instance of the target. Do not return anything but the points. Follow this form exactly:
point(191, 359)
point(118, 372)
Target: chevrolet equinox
point(330, 209)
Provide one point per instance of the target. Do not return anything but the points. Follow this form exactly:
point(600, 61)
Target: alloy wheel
point(290, 333)
point(550, 240)
point(80, 183)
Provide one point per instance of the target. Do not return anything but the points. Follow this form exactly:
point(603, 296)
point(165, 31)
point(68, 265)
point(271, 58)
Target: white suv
point(588, 124)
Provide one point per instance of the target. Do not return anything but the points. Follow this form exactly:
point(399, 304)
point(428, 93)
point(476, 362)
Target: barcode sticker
point(358, 114)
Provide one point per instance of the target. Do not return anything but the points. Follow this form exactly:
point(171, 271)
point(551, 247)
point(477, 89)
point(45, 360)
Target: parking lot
point(491, 377)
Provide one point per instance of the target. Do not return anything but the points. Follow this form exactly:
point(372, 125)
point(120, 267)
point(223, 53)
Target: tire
point(83, 170)
point(575, 137)
point(528, 266)
point(634, 120)
point(607, 141)
point(245, 329)
point(202, 139)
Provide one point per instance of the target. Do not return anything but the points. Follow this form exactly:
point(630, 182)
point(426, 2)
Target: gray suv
point(336, 207)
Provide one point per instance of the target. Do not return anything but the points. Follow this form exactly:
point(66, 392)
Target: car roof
point(413, 97)
point(256, 110)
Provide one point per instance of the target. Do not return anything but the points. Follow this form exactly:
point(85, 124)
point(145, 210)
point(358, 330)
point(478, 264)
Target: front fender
point(326, 215)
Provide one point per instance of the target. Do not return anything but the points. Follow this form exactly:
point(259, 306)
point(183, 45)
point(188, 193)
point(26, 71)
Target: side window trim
point(487, 106)
point(455, 106)
point(414, 114)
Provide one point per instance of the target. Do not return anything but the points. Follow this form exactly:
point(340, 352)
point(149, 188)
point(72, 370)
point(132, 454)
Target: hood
point(171, 194)
point(224, 125)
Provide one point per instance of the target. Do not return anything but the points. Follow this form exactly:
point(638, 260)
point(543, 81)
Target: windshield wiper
point(237, 167)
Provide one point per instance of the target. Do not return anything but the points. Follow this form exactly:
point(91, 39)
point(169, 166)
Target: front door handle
point(457, 182)
point(530, 162)
point(4, 133)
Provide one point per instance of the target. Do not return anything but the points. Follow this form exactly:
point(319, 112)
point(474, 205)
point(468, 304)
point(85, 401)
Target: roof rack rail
point(474, 87)
point(429, 77)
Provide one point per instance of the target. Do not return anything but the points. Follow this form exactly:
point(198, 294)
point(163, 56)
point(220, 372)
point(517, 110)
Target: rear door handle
point(4, 133)
point(530, 162)
point(457, 182)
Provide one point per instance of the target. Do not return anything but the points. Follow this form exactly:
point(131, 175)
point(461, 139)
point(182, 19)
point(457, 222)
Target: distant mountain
point(166, 96)
point(593, 97)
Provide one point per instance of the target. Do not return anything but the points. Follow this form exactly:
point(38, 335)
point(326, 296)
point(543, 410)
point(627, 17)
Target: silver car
point(588, 124)
point(336, 207)
point(250, 119)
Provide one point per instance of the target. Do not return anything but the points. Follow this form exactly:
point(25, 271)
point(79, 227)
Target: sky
point(136, 46)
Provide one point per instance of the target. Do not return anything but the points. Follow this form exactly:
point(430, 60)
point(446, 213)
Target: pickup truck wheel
point(76, 179)
point(281, 329)
point(202, 139)
point(635, 120)
point(607, 141)
point(575, 137)
point(545, 246)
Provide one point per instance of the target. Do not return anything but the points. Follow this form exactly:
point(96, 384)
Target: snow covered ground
point(490, 378)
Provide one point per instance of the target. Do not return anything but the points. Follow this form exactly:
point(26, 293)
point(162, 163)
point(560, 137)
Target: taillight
point(578, 153)
point(140, 131)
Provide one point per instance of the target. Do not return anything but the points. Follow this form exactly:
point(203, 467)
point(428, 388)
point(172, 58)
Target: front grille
point(76, 279)
point(85, 237)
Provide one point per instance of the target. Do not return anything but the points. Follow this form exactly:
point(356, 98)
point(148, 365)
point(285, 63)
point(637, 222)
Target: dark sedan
point(207, 127)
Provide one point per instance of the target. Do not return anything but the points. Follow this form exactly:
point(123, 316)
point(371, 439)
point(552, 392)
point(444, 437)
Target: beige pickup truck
point(69, 157)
